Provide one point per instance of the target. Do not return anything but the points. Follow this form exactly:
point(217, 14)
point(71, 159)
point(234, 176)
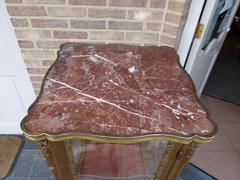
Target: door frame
point(16, 70)
point(189, 45)
point(189, 29)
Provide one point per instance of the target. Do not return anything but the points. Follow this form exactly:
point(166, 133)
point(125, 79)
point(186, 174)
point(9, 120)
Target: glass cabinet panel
point(103, 161)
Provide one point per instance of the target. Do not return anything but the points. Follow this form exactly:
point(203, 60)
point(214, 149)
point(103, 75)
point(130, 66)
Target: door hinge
point(199, 31)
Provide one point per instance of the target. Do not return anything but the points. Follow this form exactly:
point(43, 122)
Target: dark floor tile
point(16, 178)
point(23, 166)
point(40, 168)
point(191, 172)
point(30, 144)
point(32, 166)
point(35, 152)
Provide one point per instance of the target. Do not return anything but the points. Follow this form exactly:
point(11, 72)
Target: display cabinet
point(117, 112)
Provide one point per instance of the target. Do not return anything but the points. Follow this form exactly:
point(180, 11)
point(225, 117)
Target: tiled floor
point(221, 158)
point(31, 166)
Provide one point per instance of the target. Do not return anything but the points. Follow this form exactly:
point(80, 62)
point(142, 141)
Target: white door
point(216, 19)
point(16, 92)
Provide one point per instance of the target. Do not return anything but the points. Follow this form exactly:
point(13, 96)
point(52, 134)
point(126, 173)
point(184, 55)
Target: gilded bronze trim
point(69, 154)
point(182, 158)
point(164, 161)
point(191, 149)
point(118, 140)
point(81, 158)
point(44, 148)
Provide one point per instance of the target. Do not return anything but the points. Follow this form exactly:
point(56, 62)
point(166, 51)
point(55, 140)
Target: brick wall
point(42, 25)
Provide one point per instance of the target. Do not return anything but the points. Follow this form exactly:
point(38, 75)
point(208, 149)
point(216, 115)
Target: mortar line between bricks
point(89, 42)
point(68, 24)
point(87, 12)
point(125, 36)
point(56, 29)
point(163, 18)
point(83, 41)
point(165, 44)
point(71, 41)
point(148, 4)
point(84, 19)
point(82, 30)
point(127, 42)
point(172, 24)
point(84, 6)
point(169, 35)
point(93, 7)
point(174, 12)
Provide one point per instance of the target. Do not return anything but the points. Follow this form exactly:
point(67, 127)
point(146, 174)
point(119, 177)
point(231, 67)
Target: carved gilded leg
point(175, 158)
point(48, 156)
point(167, 161)
point(69, 153)
point(57, 158)
point(79, 166)
point(182, 158)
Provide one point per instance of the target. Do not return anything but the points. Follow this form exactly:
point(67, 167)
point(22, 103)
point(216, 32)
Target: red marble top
point(117, 90)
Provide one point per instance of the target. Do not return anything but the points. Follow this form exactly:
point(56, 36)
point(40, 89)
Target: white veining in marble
point(130, 94)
